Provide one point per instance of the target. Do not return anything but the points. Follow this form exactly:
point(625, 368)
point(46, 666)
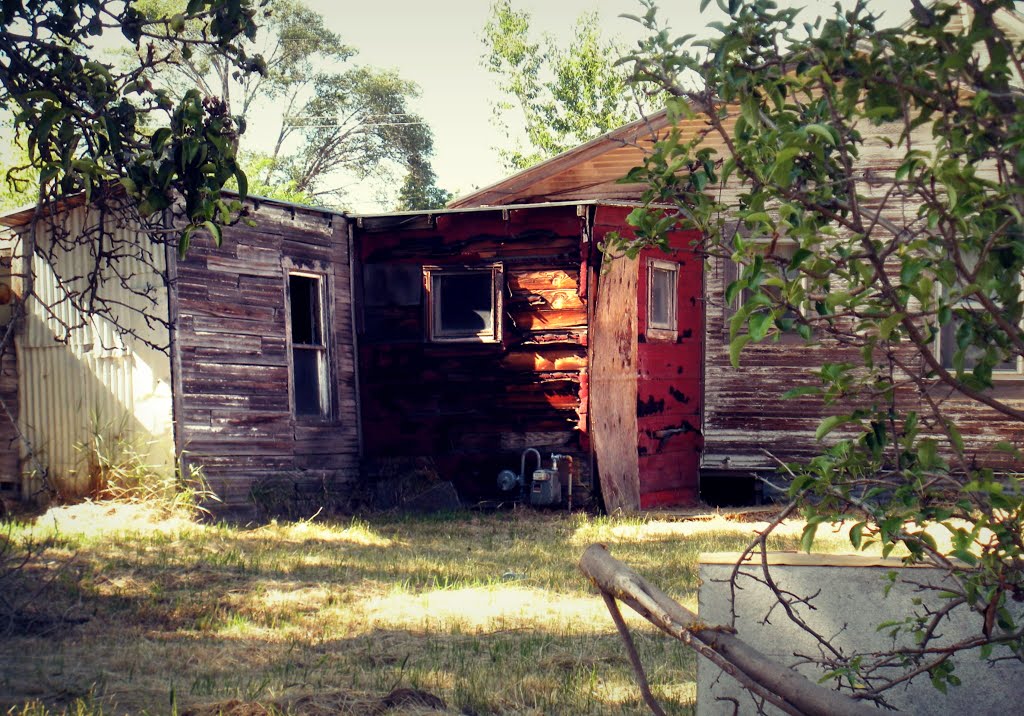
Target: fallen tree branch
point(758, 673)
point(634, 657)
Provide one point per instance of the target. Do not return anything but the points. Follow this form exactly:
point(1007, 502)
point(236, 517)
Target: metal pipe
point(522, 462)
point(570, 471)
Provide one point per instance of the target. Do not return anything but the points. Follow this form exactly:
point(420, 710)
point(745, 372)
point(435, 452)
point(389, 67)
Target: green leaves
point(89, 127)
point(869, 200)
point(736, 346)
point(827, 425)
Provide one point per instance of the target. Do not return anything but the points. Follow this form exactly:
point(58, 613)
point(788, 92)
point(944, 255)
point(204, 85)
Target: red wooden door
point(669, 390)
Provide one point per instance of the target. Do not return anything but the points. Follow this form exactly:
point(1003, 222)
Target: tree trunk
point(777, 684)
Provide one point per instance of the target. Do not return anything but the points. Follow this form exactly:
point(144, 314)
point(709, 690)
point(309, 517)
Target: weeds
point(119, 469)
point(29, 584)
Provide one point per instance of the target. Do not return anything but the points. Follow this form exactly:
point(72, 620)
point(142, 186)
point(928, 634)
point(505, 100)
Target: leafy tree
point(567, 96)
point(420, 190)
point(86, 124)
point(890, 258)
point(334, 118)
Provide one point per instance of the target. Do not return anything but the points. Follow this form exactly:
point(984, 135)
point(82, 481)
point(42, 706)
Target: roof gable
point(589, 171)
point(593, 171)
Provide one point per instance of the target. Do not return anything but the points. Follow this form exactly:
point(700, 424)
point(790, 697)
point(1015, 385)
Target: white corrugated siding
point(96, 382)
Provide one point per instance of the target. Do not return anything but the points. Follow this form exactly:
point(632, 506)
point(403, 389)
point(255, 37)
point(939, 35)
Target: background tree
point(420, 190)
point(562, 96)
point(17, 185)
point(335, 121)
point(890, 258)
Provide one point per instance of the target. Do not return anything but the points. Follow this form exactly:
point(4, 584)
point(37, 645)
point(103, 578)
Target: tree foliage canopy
point(566, 95)
point(913, 264)
point(335, 120)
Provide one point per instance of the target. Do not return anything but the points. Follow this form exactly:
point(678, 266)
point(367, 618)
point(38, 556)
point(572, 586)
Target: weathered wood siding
point(613, 383)
point(745, 421)
point(472, 407)
point(234, 399)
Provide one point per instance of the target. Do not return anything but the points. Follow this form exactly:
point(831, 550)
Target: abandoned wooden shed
point(487, 331)
point(746, 426)
point(237, 359)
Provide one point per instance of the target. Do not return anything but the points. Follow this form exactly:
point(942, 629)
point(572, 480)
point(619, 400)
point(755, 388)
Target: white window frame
point(669, 329)
point(433, 279)
point(322, 349)
point(945, 348)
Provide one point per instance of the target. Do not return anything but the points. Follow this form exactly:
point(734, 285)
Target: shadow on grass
point(487, 612)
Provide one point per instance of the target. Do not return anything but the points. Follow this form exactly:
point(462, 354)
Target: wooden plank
point(236, 310)
point(558, 359)
point(527, 281)
point(243, 267)
point(612, 377)
point(532, 318)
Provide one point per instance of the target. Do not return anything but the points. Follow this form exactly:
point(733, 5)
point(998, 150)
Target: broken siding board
point(542, 320)
point(540, 280)
point(458, 402)
point(612, 384)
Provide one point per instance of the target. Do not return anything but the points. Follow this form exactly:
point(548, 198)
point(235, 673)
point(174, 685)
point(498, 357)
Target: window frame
point(733, 271)
point(945, 347)
point(433, 277)
point(669, 330)
point(323, 349)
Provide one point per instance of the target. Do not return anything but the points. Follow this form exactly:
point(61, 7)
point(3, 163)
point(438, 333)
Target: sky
point(436, 43)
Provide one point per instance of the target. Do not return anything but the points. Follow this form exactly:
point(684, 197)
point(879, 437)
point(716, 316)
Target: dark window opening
point(465, 304)
point(309, 349)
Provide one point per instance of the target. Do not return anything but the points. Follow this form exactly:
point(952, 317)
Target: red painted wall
point(669, 381)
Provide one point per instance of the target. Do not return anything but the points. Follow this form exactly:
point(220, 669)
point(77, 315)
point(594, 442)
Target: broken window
point(662, 277)
point(464, 304)
point(310, 385)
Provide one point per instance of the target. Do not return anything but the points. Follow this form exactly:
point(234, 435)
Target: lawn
point(486, 612)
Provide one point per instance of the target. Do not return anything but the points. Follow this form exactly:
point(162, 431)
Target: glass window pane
point(464, 303)
point(308, 376)
point(971, 355)
point(662, 297)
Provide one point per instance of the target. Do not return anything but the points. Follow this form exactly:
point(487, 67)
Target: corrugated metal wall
point(91, 381)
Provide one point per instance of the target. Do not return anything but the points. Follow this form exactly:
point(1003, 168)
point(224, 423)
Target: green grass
point(487, 612)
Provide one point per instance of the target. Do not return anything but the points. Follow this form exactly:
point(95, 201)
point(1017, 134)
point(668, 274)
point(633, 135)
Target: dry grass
point(486, 612)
